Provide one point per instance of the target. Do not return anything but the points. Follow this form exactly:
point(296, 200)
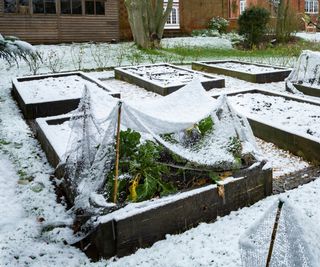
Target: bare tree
point(147, 19)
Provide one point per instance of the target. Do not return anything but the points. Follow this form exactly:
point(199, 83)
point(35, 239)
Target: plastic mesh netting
point(290, 248)
point(306, 71)
point(213, 150)
point(90, 150)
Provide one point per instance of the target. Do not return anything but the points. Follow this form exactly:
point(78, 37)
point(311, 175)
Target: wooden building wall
point(55, 28)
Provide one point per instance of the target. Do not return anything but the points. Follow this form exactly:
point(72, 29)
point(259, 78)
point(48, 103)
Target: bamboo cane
point(116, 175)
point(274, 232)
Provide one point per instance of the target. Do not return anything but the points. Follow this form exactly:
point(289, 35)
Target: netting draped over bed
point(306, 71)
point(91, 154)
point(173, 113)
point(90, 150)
point(290, 248)
point(212, 150)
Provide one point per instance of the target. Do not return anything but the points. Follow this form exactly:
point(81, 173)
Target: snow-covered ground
point(33, 226)
point(253, 69)
point(297, 117)
point(314, 37)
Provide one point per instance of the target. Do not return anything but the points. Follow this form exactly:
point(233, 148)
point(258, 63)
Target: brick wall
point(194, 14)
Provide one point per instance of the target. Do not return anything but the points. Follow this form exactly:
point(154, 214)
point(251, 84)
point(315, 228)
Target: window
point(44, 6)
point(173, 21)
point(94, 7)
point(14, 6)
point(311, 6)
point(243, 6)
point(71, 7)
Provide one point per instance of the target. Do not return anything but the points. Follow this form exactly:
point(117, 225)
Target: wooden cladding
point(56, 28)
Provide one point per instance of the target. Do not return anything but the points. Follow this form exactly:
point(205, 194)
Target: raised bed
point(52, 141)
point(255, 73)
point(53, 94)
point(140, 225)
point(164, 79)
point(298, 143)
point(307, 90)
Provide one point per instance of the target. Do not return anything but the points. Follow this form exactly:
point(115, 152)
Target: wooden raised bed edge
point(308, 90)
point(306, 147)
point(52, 108)
point(123, 236)
point(122, 74)
point(267, 77)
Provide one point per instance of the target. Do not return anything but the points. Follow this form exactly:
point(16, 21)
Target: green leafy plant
point(235, 147)
point(140, 171)
point(253, 25)
point(205, 125)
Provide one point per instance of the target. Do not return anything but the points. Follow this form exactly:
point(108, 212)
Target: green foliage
point(214, 177)
point(140, 170)
point(219, 24)
point(145, 164)
point(235, 147)
point(253, 25)
point(169, 137)
point(205, 33)
point(205, 125)
point(129, 141)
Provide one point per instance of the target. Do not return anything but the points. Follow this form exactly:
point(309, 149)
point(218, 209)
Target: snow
point(212, 42)
point(21, 239)
point(306, 71)
point(55, 88)
point(297, 117)
point(282, 162)
point(249, 68)
point(20, 233)
point(137, 208)
point(216, 244)
point(313, 37)
point(166, 75)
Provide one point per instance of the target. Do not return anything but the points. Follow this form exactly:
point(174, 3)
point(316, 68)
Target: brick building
point(56, 21)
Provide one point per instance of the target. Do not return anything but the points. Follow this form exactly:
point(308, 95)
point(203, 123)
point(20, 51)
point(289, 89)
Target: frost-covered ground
point(33, 227)
point(314, 37)
point(253, 69)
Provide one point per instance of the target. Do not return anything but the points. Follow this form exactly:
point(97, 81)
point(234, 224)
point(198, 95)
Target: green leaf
point(205, 125)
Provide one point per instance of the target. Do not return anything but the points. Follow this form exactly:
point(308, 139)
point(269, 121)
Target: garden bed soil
point(255, 73)
point(139, 225)
point(164, 79)
point(53, 94)
point(292, 138)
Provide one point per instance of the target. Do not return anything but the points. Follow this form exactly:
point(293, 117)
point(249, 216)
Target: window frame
point(175, 8)
point(242, 6)
point(311, 6)
point(94, 7)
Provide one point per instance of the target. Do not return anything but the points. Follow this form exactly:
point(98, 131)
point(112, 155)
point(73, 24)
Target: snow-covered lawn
point(314, 37)
point(33, 226)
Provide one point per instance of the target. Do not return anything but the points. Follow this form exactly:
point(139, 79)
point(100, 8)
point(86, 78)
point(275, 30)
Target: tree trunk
point(147, 19)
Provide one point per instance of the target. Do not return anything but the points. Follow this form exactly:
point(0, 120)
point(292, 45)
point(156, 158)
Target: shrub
point(219, 24)
point(205, 33)
point(253, 24)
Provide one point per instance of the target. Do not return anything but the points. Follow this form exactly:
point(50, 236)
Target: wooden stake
point(115, 187)
point(274, 232)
